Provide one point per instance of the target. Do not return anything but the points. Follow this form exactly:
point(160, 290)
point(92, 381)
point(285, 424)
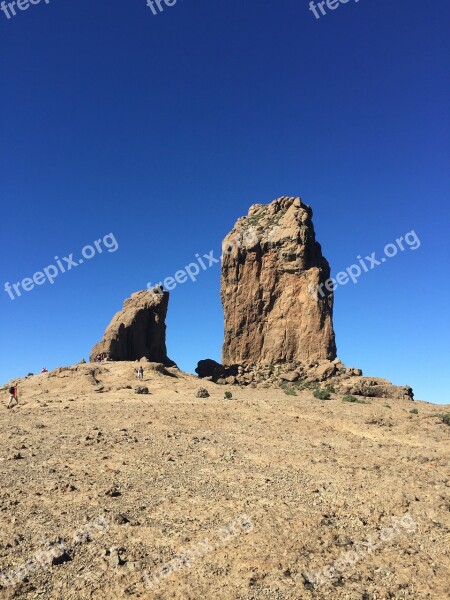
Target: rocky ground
point(270, 494)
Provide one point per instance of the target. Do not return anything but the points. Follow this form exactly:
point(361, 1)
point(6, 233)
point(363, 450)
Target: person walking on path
point(13, 395)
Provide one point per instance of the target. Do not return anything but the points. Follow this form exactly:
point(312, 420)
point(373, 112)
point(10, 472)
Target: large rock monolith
point(138, 330)
point(272, 268)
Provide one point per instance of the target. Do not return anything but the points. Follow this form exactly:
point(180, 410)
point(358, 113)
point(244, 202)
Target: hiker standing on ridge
point(13, 396)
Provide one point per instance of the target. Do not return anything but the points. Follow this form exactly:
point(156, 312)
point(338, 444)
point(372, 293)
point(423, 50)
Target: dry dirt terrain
point(108, 494)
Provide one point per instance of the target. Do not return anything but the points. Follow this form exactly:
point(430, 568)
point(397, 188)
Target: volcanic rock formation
point(272, 267)
point(138, 330)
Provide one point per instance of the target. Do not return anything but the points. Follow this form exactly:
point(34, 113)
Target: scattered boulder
point(210, 368)
point(372, 387)
point(61, 558)
point(290, 376)
point(115, 556)
point(138, 330)
point(325, 371)
point(158, 367)
point(113, 492)
point(214, 371)
point(354, 372)
point(121, 519)
point(202, 393)
point(141, 389)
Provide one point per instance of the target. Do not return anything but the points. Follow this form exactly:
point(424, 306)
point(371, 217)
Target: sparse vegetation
point(227, 396)
point(330, 388)
point(322, 394)
point(289, 391)
point(414, 411)
point(297, 385)
point(349, 399)
point(254, 220)
point(354, 400)
point(310, 385)
point(445, 418)
point(387, 406)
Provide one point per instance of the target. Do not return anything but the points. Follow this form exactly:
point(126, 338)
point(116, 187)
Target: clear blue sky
point(164, 129)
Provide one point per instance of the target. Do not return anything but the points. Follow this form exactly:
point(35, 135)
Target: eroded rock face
point(138, 330)
point(271, 262)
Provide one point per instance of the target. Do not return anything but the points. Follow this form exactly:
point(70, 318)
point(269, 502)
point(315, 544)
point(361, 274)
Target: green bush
point(354, 400)
point(310, 385)
point(414, 411)
point(228, 396)
point(330, 389)
point(350, 399)
point(289, 391)
point(322, 394)
point(445, 418)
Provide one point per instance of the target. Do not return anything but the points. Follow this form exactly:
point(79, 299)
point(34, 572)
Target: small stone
point(141, 389)
point(121, 519)
point(61, 558)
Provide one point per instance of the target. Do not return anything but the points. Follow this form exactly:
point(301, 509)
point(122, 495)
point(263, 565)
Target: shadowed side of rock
point(138, 330)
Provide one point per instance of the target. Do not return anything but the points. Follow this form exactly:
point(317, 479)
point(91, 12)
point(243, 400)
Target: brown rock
point(141, 389)
point(271, 262)
point(291, 376)
point(352, 371)
point(373, 387)
point(324, 371)
point(210, 368)
point(138, 330)
point(214, 371)
point(155, 366)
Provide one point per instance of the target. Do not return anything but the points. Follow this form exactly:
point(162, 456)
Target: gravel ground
point(109, 494)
